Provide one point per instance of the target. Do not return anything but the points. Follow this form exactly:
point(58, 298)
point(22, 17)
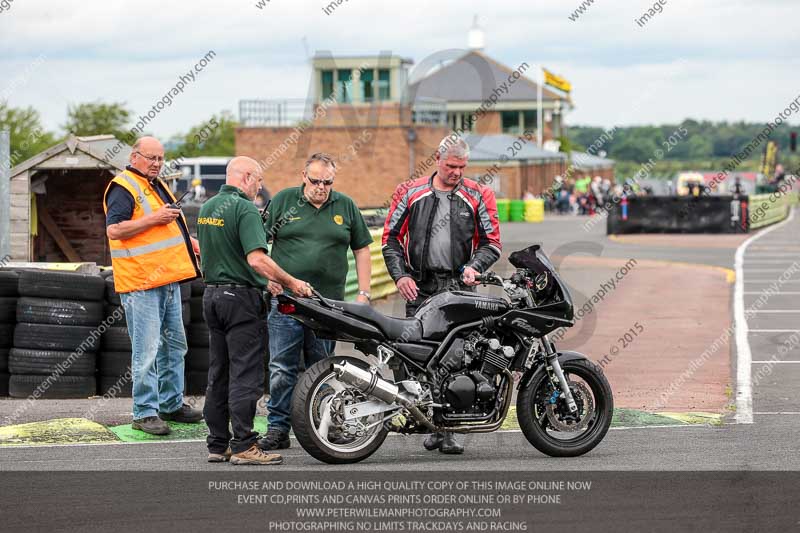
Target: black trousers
point(434, 283)
point(237, 323)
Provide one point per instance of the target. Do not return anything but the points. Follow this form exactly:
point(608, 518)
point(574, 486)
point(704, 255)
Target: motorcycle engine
point(471, 366)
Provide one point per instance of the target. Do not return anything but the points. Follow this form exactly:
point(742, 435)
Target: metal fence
point(290, 112)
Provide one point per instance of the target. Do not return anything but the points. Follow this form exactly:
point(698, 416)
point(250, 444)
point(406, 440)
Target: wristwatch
point(365, 293)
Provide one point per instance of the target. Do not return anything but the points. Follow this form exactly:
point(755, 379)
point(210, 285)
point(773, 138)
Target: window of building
point(327, 83)
point(529, 120)
point(344, 86)
point(367, 85)
point(460, 121)
point(510, 121)
point(384, 85)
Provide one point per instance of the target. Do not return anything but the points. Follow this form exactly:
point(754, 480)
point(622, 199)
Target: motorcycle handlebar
point(489, 278)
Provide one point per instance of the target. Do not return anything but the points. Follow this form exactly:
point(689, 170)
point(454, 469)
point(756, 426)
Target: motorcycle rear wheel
point(313, 394)
point(593, 395)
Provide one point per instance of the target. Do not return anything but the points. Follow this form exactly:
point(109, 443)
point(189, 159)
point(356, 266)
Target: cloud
point(739, 62)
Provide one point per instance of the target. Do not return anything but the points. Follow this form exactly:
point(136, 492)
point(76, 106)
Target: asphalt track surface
point(761, 436)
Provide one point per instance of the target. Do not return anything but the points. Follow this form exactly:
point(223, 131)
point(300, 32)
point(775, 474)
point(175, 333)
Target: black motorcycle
point(449, 368)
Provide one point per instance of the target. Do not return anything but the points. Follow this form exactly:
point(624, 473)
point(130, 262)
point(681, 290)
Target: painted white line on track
point(744, 385)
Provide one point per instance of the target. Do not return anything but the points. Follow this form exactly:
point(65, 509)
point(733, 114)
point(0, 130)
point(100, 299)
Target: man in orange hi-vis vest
point(151, 252)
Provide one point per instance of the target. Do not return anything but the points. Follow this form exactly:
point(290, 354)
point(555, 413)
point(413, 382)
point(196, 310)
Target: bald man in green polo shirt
point(311, 227)
point(236, 268)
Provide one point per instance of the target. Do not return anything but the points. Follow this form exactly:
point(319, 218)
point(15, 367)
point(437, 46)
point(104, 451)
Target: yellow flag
point(556, 81)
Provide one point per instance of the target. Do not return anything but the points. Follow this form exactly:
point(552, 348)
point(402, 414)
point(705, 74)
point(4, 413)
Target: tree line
point(706, 140)
point(29, 137)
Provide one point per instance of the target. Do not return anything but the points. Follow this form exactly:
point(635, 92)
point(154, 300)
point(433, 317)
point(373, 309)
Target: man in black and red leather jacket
point(440, 232)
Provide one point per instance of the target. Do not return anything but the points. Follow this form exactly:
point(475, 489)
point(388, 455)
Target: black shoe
point(152, 425)
point(450, 445)
point(276, 439)
point(444, 442)
point(185, 414)
point(433, 441)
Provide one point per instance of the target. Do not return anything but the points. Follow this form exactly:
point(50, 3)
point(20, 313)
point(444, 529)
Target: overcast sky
point(713, 59)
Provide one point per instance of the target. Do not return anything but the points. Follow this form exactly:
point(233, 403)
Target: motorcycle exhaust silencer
point(366, 381)
point(371, 384)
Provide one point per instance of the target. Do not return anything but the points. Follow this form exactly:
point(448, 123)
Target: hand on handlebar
point(471, 276)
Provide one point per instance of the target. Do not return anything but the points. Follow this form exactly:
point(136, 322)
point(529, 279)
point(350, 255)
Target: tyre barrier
point(59, 317)
point(64, 335)
point(9, 291)
point(50, 388)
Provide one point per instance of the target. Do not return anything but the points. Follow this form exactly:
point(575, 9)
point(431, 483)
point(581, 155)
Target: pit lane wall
point(700, 214)
point(382, 284)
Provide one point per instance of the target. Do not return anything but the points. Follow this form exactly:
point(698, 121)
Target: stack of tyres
point(9, 283)
point(114, 361)
point(197, 338)
point(57, 335)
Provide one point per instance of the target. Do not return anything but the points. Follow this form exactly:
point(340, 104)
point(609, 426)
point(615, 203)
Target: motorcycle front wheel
point(546, 421)
point(319, 404)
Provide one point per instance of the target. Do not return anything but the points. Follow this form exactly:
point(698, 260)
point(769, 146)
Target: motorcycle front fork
point(557, 375)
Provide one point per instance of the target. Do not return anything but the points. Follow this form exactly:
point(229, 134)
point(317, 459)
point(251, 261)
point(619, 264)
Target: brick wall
point(381, 159)
point(372, 161)
point(354, 116)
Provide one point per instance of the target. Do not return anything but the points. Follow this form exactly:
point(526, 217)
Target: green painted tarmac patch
point(180, 431)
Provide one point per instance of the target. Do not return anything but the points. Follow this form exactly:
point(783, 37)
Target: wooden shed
point(57, 200)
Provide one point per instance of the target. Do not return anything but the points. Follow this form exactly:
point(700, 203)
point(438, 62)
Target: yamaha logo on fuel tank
point(489, 306)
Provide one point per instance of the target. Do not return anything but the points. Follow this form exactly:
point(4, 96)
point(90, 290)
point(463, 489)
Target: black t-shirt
point(120, 202)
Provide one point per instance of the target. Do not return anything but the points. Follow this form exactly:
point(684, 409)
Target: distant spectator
point(597, 193)
point(582, 194)
point(199, 190)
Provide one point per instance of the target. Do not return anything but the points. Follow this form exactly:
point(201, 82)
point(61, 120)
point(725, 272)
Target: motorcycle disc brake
point(585, 403)
point(338, 405)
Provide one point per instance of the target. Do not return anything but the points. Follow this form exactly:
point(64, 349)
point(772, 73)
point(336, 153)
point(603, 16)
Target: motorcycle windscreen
point(549, 291)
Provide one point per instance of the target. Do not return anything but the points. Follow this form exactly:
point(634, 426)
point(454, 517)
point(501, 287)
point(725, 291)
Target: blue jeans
point(158, 340)
point(287, 339)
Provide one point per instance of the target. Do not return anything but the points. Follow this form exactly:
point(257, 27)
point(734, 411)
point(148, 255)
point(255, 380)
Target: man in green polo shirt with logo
point(311, 228)
point(236, 268)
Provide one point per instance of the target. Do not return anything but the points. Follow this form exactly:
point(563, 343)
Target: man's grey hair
point(455, 146)
point(323, 157)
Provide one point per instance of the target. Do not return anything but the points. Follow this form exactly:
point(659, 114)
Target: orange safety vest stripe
point(158, 255)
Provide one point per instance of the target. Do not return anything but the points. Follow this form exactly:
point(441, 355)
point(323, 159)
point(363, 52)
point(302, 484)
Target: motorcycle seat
point(405, 329)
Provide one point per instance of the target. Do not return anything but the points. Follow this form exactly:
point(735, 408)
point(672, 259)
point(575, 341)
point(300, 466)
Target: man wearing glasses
point(151, 252)
point(311, 228)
